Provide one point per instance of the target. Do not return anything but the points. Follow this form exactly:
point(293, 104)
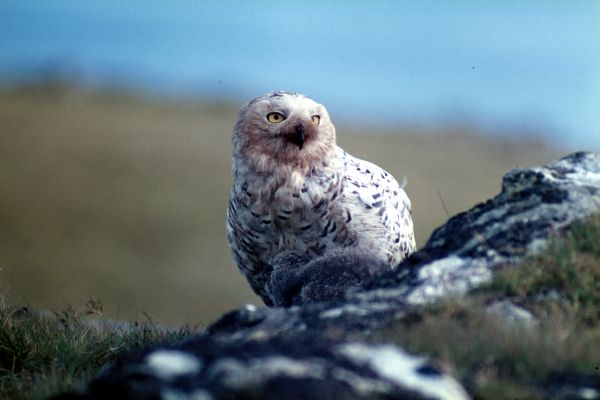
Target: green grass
point(46, 354)
point(496, 360)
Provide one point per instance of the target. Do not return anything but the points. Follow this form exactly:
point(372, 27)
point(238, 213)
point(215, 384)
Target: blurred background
point(115, 121)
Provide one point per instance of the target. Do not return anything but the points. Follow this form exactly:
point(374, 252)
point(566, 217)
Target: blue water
point(505, 66)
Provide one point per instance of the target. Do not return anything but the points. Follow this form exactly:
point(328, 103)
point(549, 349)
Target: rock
point(308, 369)
point(574, 387)
point(511, 314)
point(319, 347)
point(535, 205)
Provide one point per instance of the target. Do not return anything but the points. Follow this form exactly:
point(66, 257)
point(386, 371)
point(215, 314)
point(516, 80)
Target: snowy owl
point(295, 190)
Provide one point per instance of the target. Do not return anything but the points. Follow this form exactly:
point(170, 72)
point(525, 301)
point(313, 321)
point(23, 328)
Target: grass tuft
point(564, 280)
point(42, 354)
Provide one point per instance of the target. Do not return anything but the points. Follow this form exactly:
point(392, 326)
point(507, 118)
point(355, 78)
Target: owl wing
point(244, 243)
point(380, 207)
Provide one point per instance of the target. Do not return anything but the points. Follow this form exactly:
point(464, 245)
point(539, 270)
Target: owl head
point(283, 129)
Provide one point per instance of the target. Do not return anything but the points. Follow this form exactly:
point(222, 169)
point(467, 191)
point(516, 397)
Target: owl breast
point(304, 216)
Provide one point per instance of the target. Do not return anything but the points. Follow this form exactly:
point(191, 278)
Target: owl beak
point(298, 137)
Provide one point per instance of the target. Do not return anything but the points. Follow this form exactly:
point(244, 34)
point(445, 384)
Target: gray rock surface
point(319, 348)
point(511, 314)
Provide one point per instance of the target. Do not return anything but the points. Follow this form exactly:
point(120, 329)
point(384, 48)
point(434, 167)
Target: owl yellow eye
point(275, 117)
point(316, 119)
